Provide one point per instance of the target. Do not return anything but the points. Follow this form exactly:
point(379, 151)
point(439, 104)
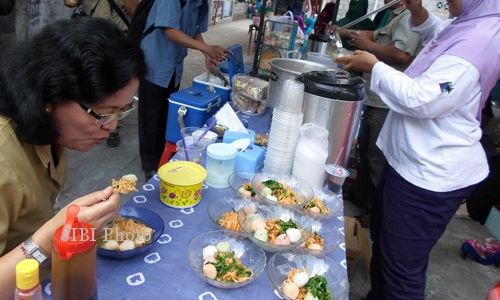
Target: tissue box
point(231, 136)
point(250, 160)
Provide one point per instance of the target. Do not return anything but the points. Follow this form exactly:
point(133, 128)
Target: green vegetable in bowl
point(272, 184)
point(317, 286)
point(286, 225)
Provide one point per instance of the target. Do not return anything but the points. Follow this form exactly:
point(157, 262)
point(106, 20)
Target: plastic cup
point(191, 134)
point(194, 152)
point(292, 98)
point(336, 177)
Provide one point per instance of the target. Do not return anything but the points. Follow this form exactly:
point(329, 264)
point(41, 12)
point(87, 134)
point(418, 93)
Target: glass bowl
point(329, 234)
point(301, 189)
point(331, 202)
point(218, 207)
point(237, 180)
point(145, 216)
point(249, 254)
point(254, 224)
point(280, 264)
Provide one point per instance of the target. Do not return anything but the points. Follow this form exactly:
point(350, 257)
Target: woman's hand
point(97, 208)
point(360, 61)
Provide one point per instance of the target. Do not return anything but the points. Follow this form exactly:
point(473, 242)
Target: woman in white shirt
point(430, 137)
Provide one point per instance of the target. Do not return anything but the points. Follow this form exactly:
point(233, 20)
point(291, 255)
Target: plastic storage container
point(251, 160)
point(221, 159)
point(192, 107)
point(202, 82)
point(181, 183)
point(73, 270)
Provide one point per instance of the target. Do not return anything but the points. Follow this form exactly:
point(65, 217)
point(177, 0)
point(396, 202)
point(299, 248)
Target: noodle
point(316, 202)
point(275, 227)
point(125, 229)
point(315, 239)
point(230, 269)
point(229, 220)
point(123, 185)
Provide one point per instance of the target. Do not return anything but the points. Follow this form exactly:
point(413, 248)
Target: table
point(164, 272)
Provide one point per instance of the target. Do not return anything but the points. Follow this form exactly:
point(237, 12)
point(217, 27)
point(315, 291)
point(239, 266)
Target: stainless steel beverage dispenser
point(333, 99)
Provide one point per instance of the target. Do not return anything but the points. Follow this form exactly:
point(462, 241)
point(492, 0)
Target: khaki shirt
point(398, 33)
point(29, 185)
point(104, 10)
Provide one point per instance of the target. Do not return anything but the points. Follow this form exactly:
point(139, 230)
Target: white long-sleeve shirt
point(431, 135)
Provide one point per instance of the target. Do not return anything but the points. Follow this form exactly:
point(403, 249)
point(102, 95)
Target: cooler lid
point(195, 97)
point(334, 84)
point(319, 37)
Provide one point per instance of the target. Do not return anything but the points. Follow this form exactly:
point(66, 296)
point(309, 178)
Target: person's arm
point(214, 52)
point(210, 63)
point(386, 53)
point(348, 33)
point(93, 209)
point(440, 90)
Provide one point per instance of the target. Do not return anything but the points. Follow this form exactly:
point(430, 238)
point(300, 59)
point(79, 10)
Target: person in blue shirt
point(178, 25)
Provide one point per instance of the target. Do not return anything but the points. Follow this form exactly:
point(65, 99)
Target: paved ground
point(449, 276)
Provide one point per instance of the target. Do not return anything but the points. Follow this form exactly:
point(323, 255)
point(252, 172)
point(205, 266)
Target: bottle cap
point(73, 237)
point(27, 274)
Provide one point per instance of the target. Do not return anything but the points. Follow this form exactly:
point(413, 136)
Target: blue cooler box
point(193, 107)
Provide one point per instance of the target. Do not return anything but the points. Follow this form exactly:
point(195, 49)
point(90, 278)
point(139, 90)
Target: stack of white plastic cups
point(311, 155)
point(284, 133)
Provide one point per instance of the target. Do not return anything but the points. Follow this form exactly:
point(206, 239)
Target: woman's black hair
point(84, 60)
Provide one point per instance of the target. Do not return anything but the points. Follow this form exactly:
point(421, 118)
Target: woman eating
point(65, 88)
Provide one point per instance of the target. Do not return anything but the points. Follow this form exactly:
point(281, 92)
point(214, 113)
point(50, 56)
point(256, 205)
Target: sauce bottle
point(27, 281)
point(73, 274)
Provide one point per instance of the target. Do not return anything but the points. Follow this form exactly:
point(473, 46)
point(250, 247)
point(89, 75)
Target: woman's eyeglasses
point(103, 119)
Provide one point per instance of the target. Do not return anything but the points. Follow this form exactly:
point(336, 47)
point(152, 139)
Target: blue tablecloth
point(164, 272)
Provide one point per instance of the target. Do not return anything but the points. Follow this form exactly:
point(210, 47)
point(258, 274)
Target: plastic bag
point(247, 105)
point(311, 155)
point(250, 87)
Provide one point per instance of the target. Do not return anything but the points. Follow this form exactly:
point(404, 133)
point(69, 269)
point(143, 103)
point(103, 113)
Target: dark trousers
point(372, 160)
point(152, 114)
point(406, 222)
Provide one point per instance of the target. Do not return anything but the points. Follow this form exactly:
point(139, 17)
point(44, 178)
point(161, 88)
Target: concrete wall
point(438, 7)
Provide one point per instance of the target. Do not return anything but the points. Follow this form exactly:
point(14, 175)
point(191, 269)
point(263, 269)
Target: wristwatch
point(32, 250)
